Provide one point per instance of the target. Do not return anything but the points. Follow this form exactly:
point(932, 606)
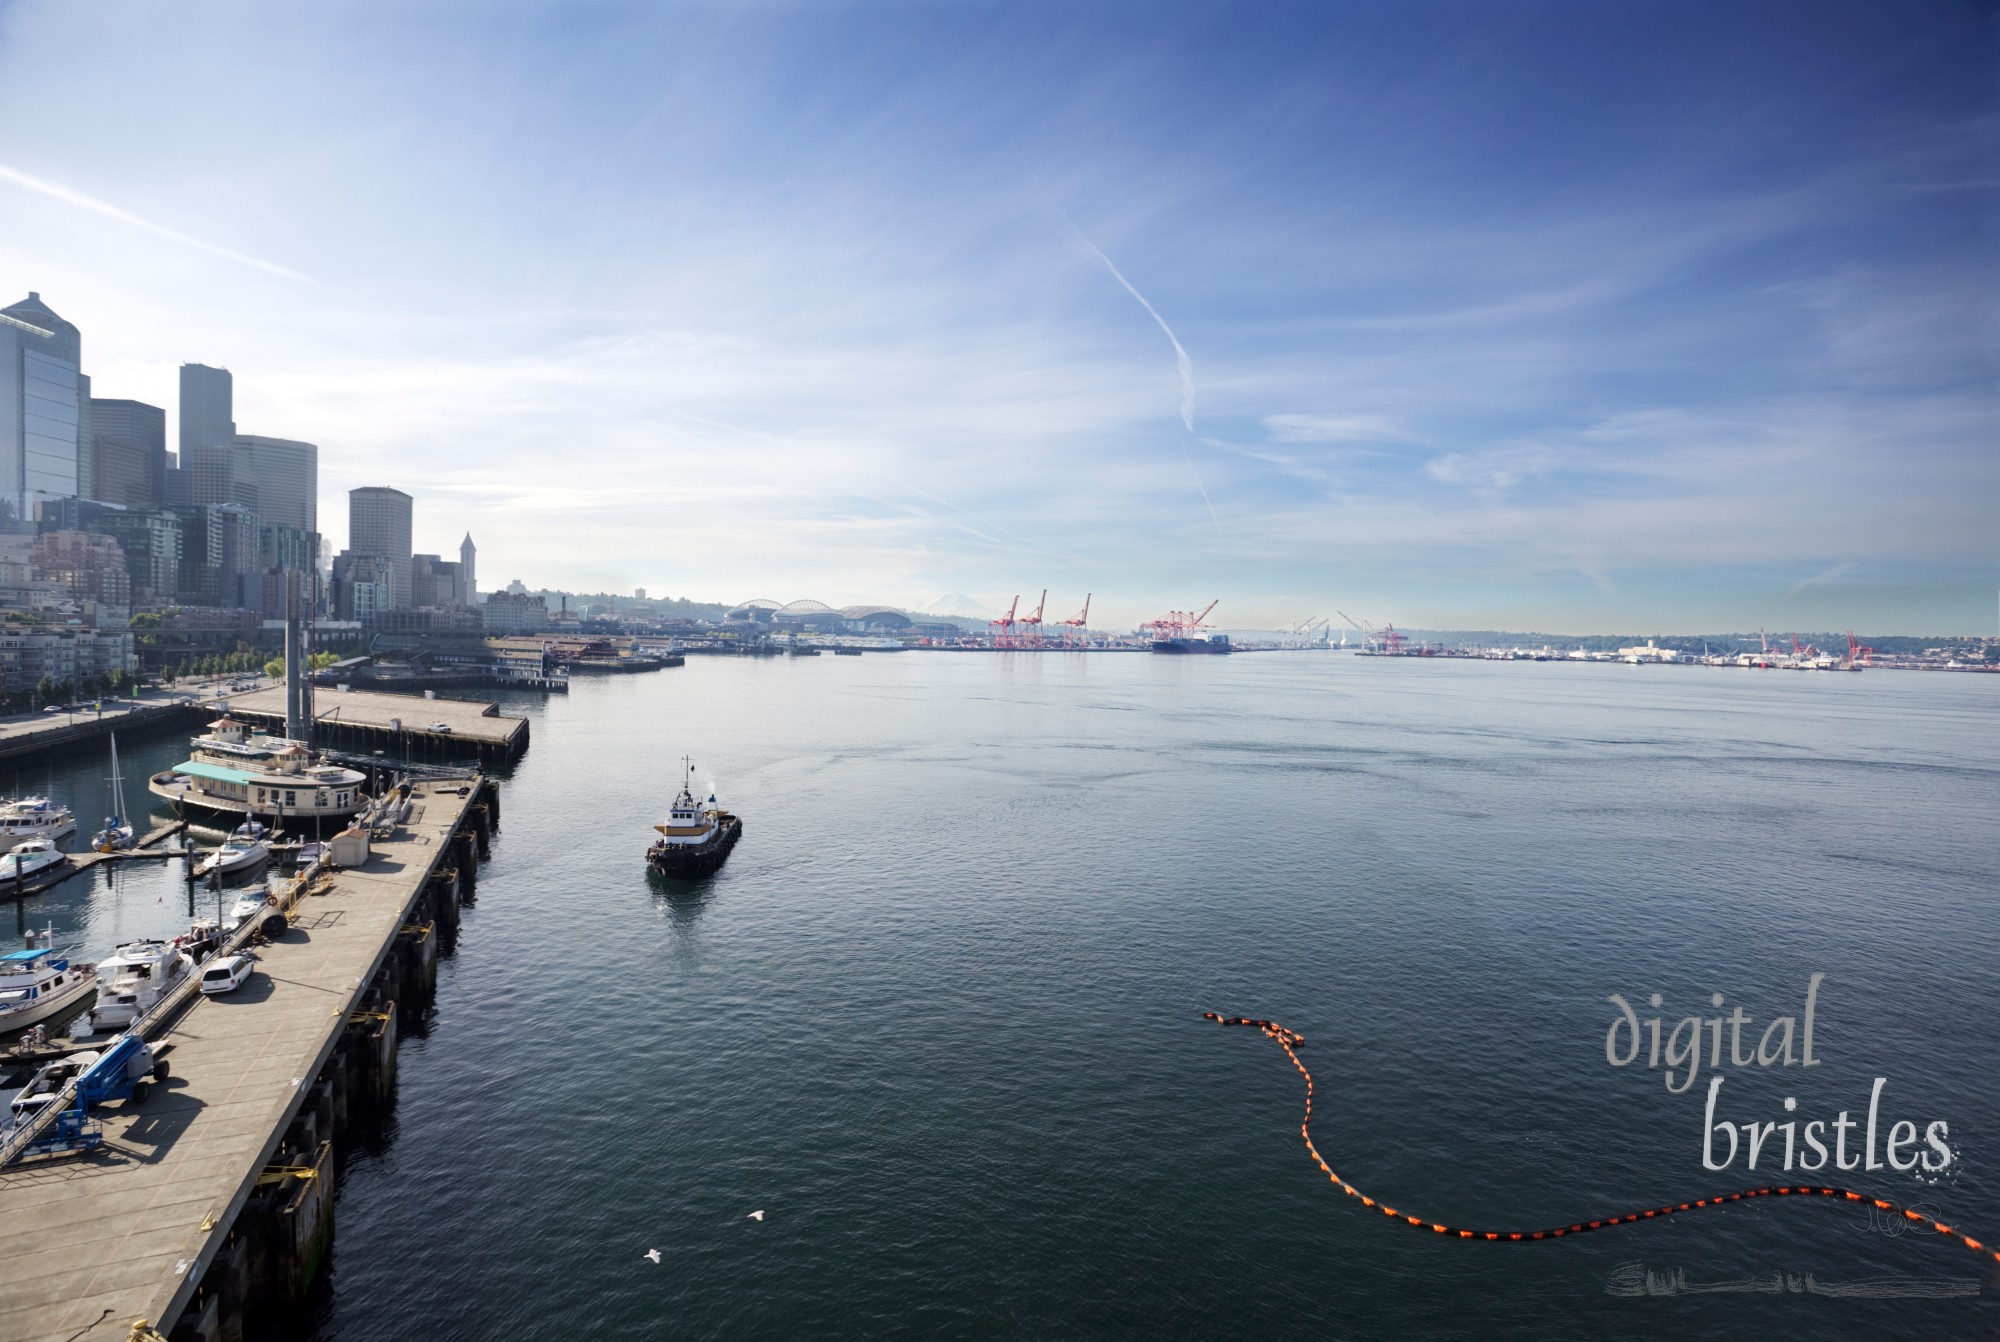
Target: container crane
point(1078, 625)
point(1005, 624)
point(1033, 638)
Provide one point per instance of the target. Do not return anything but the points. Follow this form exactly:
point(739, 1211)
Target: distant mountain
point(960, 605)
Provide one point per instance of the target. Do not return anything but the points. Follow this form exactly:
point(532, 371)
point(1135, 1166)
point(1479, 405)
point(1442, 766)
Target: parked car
point(225, 974)
point(444, 727)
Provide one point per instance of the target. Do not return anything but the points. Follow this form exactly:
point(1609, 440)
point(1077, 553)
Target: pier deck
point(364, 717)
point(94, 1242)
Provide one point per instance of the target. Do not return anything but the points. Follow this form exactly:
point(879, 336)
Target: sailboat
point(117, 832)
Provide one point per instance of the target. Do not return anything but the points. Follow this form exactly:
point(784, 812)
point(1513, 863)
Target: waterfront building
point(378, 523)
point(29, 653)
point(515, 613)
point(44, 405)
point(285, 476)
point(128, 454)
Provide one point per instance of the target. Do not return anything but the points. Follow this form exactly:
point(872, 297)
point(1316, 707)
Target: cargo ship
point(1214, 643)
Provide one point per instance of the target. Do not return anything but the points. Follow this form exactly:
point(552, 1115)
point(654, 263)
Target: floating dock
point(365, 719)
point(211, 1198)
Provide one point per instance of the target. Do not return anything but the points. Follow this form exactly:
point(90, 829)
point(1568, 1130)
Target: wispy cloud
point(1829, 574)
point(1332, 428)
point(110, 211)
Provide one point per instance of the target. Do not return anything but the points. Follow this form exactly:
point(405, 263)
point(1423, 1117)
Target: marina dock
point(365, 719)
point(212, 1196)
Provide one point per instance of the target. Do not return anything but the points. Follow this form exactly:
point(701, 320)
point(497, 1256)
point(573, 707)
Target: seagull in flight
point(652, 1255)
point(755, 1216)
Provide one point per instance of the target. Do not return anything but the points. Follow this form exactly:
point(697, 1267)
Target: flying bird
point(755, 1216)
point(652, 1255)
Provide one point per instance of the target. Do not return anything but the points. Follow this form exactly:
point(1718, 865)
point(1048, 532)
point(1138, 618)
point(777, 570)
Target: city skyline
point(1588, 322)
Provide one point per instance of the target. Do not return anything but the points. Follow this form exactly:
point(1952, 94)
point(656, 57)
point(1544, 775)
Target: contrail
point(63, 193)
point(1181, 358)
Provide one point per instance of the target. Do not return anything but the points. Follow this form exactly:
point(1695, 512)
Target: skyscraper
point(378, 523)
point(217, 470)
point(286, 476)
point(128, 458)
point(468, 577)
point(43, 404)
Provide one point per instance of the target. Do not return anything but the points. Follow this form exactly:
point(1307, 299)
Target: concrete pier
point(65, 733)
point(364, 719)
point(212, 1196)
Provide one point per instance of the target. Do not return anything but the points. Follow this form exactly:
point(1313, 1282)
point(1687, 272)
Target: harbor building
point(128, 454)
point(378, 523)
point(44, 405)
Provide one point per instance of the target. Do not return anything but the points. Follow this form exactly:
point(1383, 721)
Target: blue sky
point(1565, 316)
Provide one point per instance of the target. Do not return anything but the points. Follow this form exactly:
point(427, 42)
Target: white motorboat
point(241, 851)
point(33, 818)
point(29, 857)
point(118, 832)
point(131, 982)
point(37, 983)
point(243, 910)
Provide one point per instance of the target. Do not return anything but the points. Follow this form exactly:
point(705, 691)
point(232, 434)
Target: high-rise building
point(128, 458)
point(44, 405)
point(208, 457)
point(468, 573)
point(378, 523)
point(285, 476)
point(361, 586)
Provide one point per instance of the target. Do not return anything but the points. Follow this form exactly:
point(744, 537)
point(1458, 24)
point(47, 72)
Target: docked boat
point(134, 980)
point(34, 818)
point(242, 851)
point(697, 836)
point(30, 856)
point(243, 910)
point(234, 772)
point(37, 983)
point(46, 1085)
point(202, 939)
point(118, 832)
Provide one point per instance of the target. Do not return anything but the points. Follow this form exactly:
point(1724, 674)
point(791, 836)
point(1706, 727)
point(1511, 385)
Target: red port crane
point(1033, 638)
point(1075, 627)
point(1858, 653)
point(1005, 624)
point(1180, 623)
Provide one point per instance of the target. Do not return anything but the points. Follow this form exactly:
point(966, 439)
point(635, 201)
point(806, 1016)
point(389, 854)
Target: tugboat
point(697, 835)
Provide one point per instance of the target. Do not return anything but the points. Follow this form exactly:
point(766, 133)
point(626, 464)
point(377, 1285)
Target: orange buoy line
point(1290, 1040)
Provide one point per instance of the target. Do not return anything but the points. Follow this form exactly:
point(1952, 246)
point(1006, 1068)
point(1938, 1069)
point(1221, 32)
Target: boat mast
point(117, 781)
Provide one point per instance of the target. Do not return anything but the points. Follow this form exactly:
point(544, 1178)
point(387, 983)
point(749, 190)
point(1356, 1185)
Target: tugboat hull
point(696, 859)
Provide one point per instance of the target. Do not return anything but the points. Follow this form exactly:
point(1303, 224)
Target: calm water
point(939, 1015)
